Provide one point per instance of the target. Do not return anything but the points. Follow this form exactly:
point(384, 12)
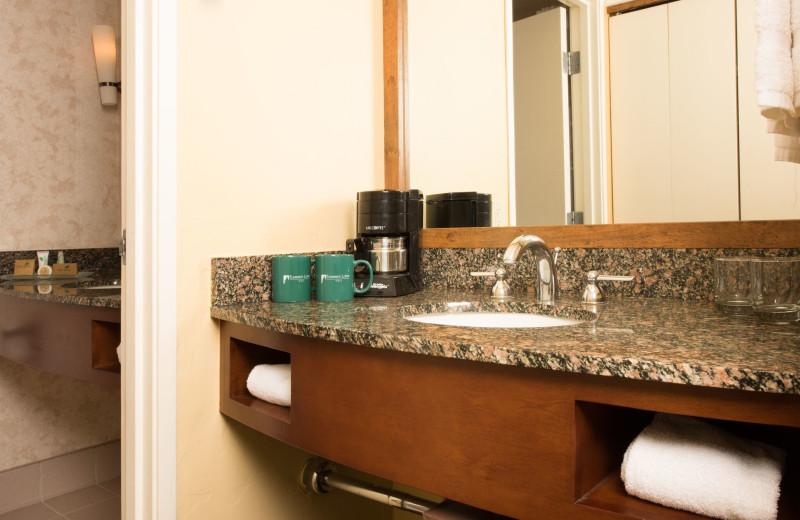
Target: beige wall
point(279, 125)
point(457, 132)
point(59, 165)
point(59, 148)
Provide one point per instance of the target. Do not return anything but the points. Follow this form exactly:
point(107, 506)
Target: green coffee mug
point(291, 278)
point(334, 277)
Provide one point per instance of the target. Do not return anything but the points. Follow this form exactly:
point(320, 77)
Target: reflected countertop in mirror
point(95, 291)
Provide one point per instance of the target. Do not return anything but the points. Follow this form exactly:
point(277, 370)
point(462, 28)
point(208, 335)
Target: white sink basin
point(493, 319)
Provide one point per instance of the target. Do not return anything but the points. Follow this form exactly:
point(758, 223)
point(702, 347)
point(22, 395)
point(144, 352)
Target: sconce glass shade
point(105, 57)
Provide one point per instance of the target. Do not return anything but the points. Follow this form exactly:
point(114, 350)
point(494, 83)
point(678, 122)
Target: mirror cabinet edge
point(772, 234)
point(695, 235)
point(632, 5)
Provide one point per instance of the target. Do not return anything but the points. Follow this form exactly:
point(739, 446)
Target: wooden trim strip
point(633, 5)
point(696, 235)
point(395, 95)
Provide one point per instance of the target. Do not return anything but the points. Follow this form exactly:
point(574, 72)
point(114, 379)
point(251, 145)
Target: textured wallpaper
point(44, 415)
point(60, 171)
point(59, 148)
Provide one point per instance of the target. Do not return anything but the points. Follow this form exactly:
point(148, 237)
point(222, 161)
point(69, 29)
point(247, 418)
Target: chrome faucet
point(547, 281)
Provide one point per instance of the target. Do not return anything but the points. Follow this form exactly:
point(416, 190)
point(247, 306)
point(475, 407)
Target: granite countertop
point(89, 291)
point(636, 338)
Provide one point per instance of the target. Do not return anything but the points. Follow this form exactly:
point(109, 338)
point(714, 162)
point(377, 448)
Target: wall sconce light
point(105, 57)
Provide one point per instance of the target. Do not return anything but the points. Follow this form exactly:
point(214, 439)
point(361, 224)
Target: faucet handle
point(592, 293)
point(500, 290)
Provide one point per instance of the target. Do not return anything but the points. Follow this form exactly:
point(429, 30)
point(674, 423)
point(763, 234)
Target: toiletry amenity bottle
point(44, 269)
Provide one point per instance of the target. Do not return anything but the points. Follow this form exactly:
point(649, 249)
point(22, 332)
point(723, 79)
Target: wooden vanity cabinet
point(77, 341)
point(522, 442)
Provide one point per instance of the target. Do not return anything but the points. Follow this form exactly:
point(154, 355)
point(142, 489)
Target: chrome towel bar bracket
point(319, 476)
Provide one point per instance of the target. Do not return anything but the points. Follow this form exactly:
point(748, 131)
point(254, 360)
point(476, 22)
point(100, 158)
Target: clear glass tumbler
point(732, 285)
point(776, 289)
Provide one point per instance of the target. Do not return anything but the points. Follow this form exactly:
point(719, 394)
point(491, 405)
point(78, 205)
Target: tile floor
point(98, 502)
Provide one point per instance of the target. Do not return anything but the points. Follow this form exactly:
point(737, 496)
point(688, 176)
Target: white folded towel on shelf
point(271, 383)
point(689, 464)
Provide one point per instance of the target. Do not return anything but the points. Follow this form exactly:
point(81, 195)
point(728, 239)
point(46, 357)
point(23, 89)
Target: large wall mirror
point(494, 109)
point(459, 123)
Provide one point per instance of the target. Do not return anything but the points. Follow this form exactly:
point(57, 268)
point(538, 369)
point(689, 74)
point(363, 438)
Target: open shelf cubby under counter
point(240, 353)
point(246, 356)
point(106, 336)
point(603, 433)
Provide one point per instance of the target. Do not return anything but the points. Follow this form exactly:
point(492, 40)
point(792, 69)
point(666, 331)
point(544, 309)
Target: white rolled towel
point(271, 383)
point(689, 464)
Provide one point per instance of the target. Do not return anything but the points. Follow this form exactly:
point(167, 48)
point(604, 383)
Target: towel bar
point(319, 476)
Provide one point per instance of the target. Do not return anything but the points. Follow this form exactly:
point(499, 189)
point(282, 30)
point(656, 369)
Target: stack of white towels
point(689, 464)
point(777, 63)
point(271, 383)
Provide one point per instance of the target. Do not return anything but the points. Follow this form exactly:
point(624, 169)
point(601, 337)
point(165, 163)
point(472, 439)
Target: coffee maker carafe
point(388, 223)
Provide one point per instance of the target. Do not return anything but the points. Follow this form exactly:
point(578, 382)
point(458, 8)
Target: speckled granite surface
point(659, 273)
point(668, 340)
point(245, 279)
point(240, 279)
point(103, 263)
point(660, 327)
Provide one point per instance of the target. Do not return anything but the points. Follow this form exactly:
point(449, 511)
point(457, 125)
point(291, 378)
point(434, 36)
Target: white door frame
point(149, 159)
point(590, 25)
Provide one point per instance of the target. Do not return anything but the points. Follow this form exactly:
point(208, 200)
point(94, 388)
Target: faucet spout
point(547, 280)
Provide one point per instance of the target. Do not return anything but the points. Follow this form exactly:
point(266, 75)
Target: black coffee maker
point(388, 223)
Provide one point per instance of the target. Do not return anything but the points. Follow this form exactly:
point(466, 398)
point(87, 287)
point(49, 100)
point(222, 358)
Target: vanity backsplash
point(105, 262)
point(684, 274)
point(658, 273)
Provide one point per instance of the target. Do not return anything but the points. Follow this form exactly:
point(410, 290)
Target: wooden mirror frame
point(703, 235)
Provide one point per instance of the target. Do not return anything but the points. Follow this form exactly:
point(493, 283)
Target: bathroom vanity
point(529, 423)
point(67, 330)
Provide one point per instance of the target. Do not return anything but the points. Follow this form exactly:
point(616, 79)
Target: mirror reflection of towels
point(777, 68)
